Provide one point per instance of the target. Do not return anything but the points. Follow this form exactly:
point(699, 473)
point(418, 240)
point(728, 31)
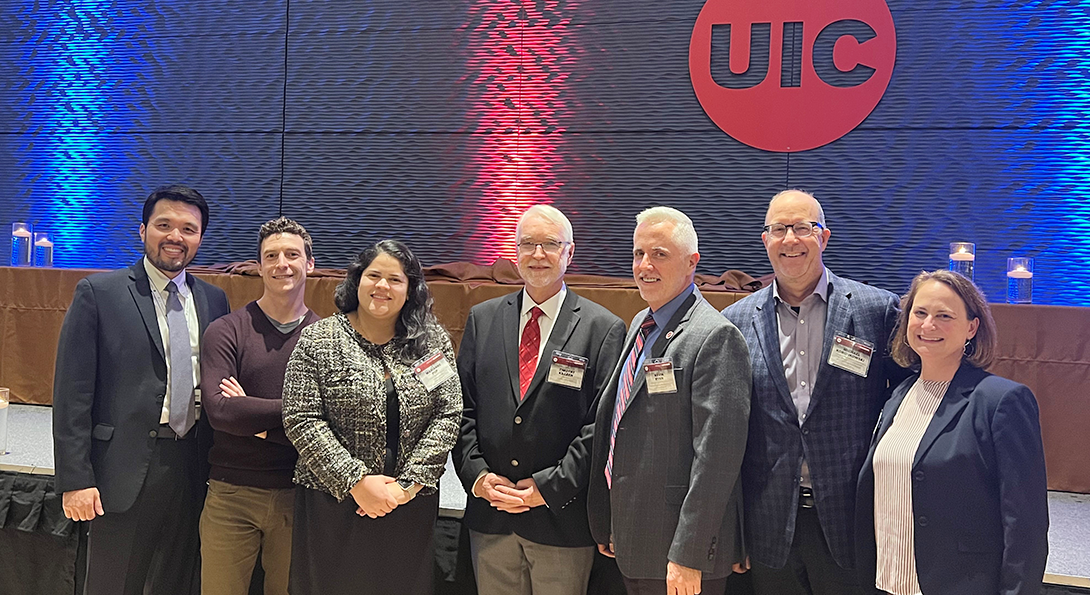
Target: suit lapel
point(140, 288)
point(670, 332)
point(566, 321)
point(764, 322)
point(511, 311)
point(200, 299)
point(838, 317)
point(950, 408)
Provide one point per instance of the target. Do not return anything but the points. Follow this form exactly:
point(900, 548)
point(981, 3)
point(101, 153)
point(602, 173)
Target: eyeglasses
point(802, 229)
point(550, 247)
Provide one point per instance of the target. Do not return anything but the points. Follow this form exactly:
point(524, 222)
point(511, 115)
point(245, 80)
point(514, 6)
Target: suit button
point(919, 476)
point(514, 462)
point(153, 434)
point(806, 431)
point(518, 420)
point(922, 521)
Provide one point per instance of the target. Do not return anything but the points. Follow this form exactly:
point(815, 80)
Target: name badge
point(567, 369)
point(659, 375)
point(851, 354)
point(433, 370)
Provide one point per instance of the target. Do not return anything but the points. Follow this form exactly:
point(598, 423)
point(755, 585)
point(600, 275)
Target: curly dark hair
point(416, 319)
point(284, 225)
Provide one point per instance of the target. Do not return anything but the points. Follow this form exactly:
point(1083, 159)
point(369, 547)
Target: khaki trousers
point(237, 523)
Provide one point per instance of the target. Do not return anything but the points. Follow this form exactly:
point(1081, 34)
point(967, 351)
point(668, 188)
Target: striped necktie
point(624, 393)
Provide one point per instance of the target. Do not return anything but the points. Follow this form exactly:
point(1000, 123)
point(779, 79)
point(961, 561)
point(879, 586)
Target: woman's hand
point(373, 497)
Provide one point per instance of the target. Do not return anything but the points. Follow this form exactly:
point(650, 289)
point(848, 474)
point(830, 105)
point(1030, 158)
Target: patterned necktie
point(624, 393)
point(182, 409)
point(528, 348)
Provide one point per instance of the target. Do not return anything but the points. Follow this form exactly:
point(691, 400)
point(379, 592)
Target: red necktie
point(624, 393)
point(528, 348)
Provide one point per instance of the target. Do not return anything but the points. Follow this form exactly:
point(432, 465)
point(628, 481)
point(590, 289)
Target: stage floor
point(30, 450)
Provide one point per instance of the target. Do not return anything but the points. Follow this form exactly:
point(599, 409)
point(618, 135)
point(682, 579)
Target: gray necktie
point(182, 410)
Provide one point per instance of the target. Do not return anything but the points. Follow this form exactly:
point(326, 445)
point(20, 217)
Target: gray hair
point(550, 214)
point(684, 232)
point(820, 211)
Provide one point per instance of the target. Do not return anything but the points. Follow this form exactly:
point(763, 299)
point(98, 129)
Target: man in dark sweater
point(250, 492)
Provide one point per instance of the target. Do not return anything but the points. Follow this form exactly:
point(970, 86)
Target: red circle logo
point(791, 75)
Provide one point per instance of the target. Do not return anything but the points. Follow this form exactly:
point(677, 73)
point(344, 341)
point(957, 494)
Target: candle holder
point(20, 244)
point(43, 249)
point(962, 258)
point(1019, 280)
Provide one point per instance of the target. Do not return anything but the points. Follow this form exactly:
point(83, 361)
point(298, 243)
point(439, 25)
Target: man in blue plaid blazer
point(819, 351)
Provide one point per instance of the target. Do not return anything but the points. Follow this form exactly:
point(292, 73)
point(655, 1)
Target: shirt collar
point(550, 307)
point(821, 290)
point(159, 280)
point(663, 315)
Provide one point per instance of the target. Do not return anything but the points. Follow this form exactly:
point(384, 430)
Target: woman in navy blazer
point(974, 502)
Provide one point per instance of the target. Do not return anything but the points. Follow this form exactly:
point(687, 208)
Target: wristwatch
point(406, 484)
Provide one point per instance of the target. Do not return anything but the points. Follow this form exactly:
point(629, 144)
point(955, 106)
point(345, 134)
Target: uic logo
point(791, 75)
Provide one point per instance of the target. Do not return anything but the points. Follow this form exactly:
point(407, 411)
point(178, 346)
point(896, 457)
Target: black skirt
point(336, 551)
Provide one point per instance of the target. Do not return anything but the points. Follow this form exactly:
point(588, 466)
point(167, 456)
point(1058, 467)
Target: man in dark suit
point(670, 432)
point(531, 365)
point(821, 372)
point(128, 449)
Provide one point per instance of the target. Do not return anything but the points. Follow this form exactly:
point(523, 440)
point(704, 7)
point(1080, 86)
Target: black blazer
point(110, 382)
point(545, 432)
point(978, 490)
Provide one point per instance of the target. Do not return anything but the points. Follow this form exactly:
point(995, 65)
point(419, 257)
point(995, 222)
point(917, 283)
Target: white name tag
point(659, 375)
point(197, 402)
point(851, 354)
point(567, 369)
point(433, 370)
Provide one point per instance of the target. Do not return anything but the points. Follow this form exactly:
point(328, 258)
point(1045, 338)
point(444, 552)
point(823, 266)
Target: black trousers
point(154, 542)
point(810, 568)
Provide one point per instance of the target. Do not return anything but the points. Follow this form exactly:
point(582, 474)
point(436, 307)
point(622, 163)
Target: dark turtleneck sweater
point(246, 345)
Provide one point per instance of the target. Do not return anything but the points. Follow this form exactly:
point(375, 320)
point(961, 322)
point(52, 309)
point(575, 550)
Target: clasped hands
point(508, 496)
point(378, 495)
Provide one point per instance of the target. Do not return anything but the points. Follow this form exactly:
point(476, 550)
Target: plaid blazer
point(836, 434)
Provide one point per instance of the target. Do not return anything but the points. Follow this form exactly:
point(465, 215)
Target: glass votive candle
point(43, 249)
point(20, 244)
point(1019, 280)
point(962, 258)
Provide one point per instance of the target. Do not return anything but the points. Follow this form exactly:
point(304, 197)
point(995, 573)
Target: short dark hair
point(284, 225)
point(179, 193)
point(982, 347)
point(416, 318)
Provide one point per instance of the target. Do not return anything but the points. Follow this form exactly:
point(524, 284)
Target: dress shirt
point(802, 337)
point(550, 308)
point(662, 318)
point(894, 528)
point(159, 294)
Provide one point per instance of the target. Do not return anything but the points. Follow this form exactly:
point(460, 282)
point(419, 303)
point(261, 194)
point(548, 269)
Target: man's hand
point(231, 388)
point(82, 505)
point(489, 490)
point(681, 580)
point(740, 567)
point(373, 497)
point(526, 490)
point(263, 435)
point(607, 550)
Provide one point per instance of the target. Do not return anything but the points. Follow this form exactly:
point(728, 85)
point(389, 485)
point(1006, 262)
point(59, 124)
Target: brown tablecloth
point(1044, 347)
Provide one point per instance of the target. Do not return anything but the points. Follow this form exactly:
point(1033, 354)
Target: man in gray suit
point(670, 433)
point(821, 372)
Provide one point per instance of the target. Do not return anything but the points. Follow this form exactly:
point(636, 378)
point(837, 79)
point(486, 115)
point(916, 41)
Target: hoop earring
point(969, 348)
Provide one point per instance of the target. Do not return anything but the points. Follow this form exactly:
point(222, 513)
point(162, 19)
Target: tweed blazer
point(676, 495)
point(335, 409)
point(838, 426)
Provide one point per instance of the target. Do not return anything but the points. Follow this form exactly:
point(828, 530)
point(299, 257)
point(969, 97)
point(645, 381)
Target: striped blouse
point(893, 518)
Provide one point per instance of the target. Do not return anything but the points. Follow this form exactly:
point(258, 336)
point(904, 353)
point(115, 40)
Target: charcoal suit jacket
point(110, 382)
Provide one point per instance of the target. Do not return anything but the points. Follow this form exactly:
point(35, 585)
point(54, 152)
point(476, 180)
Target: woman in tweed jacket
point(364, 512)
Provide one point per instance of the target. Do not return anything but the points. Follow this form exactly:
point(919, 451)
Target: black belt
point(166, 432)
point(806, 497)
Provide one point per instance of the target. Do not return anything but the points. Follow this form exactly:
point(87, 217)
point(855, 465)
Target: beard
point(165, 263)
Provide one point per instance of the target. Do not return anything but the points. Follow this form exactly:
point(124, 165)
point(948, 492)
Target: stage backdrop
point(437, 122)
